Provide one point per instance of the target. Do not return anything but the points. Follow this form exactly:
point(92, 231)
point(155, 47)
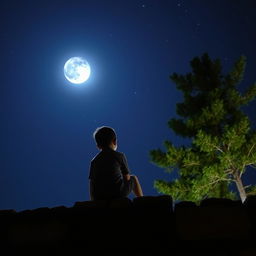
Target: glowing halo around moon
point(77, 70)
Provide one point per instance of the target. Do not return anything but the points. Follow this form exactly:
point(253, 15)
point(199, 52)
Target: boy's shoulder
point(113, 153)
point(117, 153)
point(110, 152)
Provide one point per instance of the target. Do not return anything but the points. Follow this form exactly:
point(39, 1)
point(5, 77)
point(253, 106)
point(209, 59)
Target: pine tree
point(223, 143)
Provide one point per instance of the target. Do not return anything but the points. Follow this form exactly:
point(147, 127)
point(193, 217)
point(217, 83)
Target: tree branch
point(229, 171)
point(216, 181)
point(251, 149)
point(191, 164)
point(219, 149)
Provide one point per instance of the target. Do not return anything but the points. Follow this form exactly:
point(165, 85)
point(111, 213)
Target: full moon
point(77, 70)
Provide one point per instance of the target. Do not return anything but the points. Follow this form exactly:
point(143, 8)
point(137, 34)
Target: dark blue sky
point(132, 47)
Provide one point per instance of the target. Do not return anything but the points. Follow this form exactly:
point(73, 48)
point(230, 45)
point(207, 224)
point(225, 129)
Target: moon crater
point(77, 70)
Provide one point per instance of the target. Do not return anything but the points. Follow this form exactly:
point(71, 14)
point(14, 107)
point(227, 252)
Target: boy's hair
point(104, 136)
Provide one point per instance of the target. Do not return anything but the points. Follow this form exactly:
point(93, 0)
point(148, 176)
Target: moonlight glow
point(77, 70)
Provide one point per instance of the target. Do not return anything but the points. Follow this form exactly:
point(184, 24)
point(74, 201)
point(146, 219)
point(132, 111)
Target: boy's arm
point(125, 169)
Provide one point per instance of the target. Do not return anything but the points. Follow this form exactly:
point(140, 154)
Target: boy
point(109, 173)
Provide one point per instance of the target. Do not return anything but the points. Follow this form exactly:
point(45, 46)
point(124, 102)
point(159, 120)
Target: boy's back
point(106, 174)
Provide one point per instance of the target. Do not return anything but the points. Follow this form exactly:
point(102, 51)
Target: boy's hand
point(127, 177)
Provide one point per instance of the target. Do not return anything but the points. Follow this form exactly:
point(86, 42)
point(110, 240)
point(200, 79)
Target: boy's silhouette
point(109, 173)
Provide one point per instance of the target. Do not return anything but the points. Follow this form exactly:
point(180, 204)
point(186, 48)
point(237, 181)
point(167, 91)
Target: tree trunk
point(240, 187)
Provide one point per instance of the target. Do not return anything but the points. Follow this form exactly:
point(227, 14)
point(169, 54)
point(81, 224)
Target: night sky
point(132, 47)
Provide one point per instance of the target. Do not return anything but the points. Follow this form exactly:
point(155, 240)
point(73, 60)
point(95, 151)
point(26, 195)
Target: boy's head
point(105, 137)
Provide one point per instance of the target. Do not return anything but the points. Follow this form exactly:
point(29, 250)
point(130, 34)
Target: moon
point(77, 70)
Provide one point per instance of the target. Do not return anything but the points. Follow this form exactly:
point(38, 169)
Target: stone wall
point(146, 225)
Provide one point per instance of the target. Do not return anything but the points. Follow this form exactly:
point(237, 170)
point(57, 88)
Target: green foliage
point(222, 141)
point(251, 190)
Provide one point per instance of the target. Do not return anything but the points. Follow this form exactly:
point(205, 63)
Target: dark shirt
point(106, 174)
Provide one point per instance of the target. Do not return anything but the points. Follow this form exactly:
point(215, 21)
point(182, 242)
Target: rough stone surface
point(146, 225)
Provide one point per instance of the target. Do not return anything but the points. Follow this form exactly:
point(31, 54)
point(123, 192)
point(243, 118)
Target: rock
point(153, 203)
